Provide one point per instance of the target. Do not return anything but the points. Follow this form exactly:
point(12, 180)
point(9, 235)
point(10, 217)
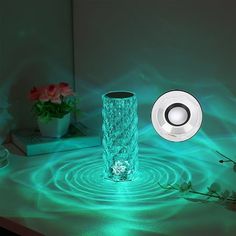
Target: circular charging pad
point(176, 116)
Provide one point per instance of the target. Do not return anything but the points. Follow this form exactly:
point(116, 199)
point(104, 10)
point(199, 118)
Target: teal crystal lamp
point(120, 135)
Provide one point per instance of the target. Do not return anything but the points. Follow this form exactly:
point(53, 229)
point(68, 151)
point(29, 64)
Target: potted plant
point(53, 105)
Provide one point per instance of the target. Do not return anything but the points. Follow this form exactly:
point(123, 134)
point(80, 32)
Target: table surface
point(65, 193)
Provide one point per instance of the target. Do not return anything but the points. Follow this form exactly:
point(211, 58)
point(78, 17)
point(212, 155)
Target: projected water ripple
point(76, 180)
point(73, 183)
point(83, 178)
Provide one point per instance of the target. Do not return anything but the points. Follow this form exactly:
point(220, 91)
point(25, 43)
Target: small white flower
point(119, 167)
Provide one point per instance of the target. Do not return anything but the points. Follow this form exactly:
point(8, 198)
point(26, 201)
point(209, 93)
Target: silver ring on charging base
point(176, 116)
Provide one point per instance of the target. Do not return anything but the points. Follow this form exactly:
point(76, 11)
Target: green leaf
point(233, 195)
point(225, 194)
point(185, 187)
point(234, 168)
point(214, 188)
point(47, 110)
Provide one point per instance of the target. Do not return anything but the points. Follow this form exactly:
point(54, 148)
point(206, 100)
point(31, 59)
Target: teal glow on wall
point(151, 47)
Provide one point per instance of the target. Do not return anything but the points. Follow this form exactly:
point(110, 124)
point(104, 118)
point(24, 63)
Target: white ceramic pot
point(55, 128)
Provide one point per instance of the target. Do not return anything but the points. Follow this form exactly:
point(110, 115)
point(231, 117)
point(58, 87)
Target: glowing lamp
point(120, 135)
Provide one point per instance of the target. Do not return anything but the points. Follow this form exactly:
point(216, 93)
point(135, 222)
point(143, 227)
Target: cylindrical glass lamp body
point(120, 135)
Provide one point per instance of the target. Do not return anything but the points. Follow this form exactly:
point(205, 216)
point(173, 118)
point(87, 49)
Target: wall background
point(153, 46)
point(36, 49)
point(148, 48)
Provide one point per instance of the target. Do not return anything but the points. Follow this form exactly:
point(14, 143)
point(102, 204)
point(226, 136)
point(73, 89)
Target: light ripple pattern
point(79, 182)
point(73, 183)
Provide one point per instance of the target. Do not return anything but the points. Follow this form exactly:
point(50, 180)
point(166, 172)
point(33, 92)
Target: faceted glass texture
point(120, 135)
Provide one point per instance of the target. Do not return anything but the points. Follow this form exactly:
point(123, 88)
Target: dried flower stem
point(228, 159)
point(215, 195)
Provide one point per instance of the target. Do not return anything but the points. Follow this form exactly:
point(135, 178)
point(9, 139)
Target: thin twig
point(169, 187)
point(226, 157)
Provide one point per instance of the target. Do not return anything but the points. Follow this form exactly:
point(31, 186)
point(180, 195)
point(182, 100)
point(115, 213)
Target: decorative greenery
point(47, 110)
point(227, 160)
point(214, 191)
point(53, 101)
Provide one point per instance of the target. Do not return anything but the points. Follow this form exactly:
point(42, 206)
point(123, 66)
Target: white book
point(32, 143)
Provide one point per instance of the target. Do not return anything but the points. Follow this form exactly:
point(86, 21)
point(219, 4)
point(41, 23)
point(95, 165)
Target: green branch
point(228, 159)
point(213, 191)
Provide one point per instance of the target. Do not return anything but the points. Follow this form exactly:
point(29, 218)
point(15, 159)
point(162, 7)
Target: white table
point(65, 193)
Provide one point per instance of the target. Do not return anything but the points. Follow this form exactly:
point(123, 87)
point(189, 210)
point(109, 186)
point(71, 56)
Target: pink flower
point(44, 95)
point(56, 98)
point(65, 90)
point(51, 90)
point(34, 93)
point(53, 93)
point(50, 93)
